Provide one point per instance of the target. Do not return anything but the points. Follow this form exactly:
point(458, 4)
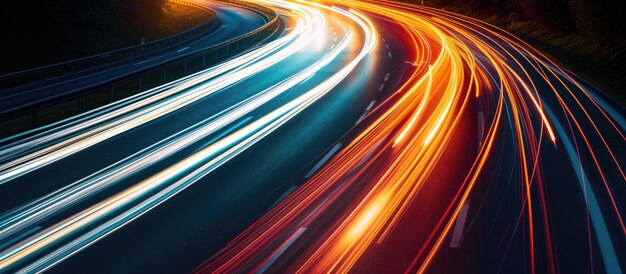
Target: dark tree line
point(602, 21)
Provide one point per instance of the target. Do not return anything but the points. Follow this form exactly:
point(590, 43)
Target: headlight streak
point(197, 165)
point(109, 121)
point(402, 144)
point(45, 207)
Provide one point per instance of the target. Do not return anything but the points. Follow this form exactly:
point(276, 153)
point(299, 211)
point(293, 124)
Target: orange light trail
point(389, 163)
point(476, 153)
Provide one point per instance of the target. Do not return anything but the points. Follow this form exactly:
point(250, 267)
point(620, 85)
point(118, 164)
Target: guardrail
point(108, 58)
point(61, 108)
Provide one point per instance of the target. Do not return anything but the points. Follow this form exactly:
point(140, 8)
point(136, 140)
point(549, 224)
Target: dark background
point(602, 21)
point(44, 32)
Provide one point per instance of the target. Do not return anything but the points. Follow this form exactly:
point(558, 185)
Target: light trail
point(106, 122)
point(169, 180)
point(386, 197)
point(133, 164)
point(393, 162)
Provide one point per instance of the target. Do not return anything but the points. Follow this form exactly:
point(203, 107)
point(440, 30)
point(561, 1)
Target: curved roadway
point(387, 138)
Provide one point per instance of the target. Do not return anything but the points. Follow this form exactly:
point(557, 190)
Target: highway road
point(490, 158)
point(373, 136)
point(311, 85)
